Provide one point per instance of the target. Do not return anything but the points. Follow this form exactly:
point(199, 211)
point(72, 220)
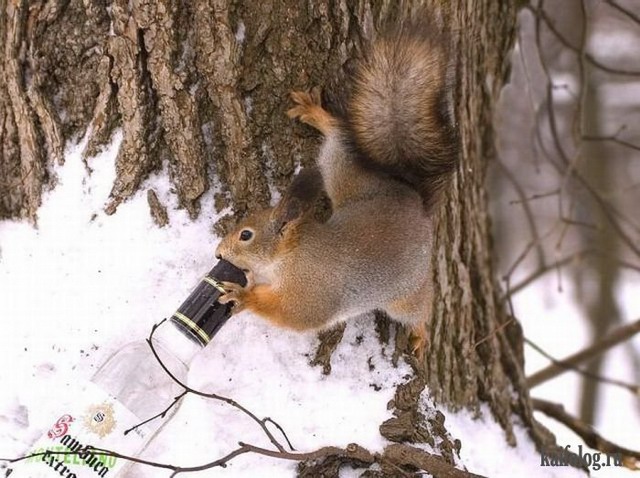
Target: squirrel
point(383, 163)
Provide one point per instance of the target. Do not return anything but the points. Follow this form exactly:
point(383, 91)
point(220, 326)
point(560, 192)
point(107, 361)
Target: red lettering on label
point(60, 427)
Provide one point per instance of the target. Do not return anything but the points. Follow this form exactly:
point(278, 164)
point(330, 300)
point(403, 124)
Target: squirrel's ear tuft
point(287, 212)
point(301, 197)
point(306, 187)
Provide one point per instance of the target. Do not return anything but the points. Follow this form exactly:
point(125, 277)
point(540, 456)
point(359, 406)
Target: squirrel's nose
point(218, 255)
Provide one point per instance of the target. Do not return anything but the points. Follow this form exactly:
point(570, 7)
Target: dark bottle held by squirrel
point(130, 387)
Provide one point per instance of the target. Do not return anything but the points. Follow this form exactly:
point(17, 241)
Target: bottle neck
point(173, 340)
point(200, 316)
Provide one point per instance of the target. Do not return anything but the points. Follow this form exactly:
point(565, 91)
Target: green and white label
point(94, 419)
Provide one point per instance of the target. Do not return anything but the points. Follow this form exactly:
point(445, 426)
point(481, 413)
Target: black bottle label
point(201, 316)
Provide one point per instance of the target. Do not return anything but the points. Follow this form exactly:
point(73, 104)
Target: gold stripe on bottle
point(192, 325)
point(215, 284)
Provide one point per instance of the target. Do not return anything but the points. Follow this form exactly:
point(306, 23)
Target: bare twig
point(269, 420)
point(623, 10)
point(568, 166)
point(534, 197)
point(527, 211)
point(353, 453)
point(420, 459)
point(213, 396)
point(614, 139)
point(558, 367)
point(396, 455)
point(599, 378)
point(495, 331)
point(540, 12)
point(162, 414)
point(546, 268)
point(630, 458)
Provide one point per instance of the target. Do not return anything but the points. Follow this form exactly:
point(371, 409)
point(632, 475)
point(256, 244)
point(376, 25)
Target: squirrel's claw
point(309, 110)
point(419, 341)
point(306, 99)
point(234, 293)
point(305, 102)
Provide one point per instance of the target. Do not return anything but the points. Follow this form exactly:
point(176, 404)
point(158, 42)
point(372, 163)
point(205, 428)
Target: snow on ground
point(83, 284)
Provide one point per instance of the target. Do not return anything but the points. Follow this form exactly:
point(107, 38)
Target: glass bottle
point(129, 388)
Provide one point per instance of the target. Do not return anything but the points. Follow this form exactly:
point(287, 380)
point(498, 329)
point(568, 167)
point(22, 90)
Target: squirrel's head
point(253, 243)
point(260, 240)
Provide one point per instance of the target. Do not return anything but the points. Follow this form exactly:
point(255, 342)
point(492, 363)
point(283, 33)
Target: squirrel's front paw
point(235, 293)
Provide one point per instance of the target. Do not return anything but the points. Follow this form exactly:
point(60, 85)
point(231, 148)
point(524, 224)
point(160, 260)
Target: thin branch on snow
point(262, 423)
point(284, 434)
point(395, 455)
point(162, 414)
point(400, 457)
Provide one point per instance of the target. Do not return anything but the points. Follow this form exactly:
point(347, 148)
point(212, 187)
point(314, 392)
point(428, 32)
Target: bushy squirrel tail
point(399, 109)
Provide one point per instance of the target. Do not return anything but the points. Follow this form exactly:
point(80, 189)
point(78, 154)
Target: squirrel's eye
point(245, 235)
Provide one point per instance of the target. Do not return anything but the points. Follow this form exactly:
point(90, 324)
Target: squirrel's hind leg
point(414, 311)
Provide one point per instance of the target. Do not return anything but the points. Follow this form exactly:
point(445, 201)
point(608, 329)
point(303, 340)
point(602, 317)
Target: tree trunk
point(200, 87)
point(598, 280)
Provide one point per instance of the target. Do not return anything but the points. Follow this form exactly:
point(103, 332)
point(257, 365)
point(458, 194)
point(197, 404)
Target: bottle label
point(94, 419)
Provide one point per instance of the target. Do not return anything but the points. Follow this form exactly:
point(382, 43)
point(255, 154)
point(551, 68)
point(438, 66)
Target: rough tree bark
point(200, 88)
